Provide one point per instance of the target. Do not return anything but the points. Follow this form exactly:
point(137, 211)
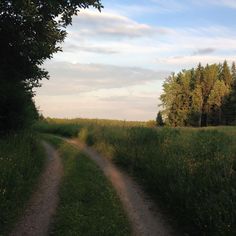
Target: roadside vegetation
point(21, 162)
point(88, 203)
point(191, 171)
point(30, 34)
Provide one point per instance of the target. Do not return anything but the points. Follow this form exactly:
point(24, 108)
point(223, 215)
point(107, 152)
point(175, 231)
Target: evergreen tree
point(233, 72)
point(215, 101)
point(226, 74)
point(200, 97)
point(159, 119)
point(229, 105)
point(210, 76)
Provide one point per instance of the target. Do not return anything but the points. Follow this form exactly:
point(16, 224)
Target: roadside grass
point(88, 203)
point(21, 162)
point(191, 171)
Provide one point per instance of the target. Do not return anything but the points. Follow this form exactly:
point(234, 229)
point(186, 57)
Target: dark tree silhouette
point(30, 32)
point(159, 120)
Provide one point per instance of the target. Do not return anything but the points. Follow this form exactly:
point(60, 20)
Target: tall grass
point(107, 122)
point(21, 161)
point(192, 171)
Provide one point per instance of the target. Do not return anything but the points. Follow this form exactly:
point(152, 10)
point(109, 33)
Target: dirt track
point(42, 205)
point(145, 217)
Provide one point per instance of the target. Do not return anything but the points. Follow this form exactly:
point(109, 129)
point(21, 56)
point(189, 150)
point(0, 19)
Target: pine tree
point(204, 96)
point(233, 72)
point(210, 76)
point(215, 100)
point(229, 105)
point(159, 119)
point(225, 74)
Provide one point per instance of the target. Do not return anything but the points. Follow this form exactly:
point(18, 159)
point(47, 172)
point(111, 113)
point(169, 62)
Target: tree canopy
point(31, 31)
point(201, 96)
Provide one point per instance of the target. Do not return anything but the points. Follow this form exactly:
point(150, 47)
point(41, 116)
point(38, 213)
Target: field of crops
point(21, 162)
point(191, 171)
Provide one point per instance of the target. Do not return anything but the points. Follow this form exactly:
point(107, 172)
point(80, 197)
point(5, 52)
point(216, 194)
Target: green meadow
point(191, 171)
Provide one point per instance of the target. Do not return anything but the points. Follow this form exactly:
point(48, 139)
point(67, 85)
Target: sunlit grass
point(192, 171)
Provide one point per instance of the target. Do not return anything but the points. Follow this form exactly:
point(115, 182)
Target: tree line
point(201, 96)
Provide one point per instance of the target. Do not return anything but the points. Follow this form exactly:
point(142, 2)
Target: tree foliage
point(201, 96)
point(30, 33)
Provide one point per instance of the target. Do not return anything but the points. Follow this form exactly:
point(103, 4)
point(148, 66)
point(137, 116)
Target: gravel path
point(42, 205)
point(145, 217)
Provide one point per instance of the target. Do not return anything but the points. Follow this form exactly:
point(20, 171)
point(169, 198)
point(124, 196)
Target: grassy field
point(88, 204)
point(71, 127)
point(21, 162)
point(191, 171)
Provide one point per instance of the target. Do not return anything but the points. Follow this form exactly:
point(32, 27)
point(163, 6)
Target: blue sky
point(114, 63)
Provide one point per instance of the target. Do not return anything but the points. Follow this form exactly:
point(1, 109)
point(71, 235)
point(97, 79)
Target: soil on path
point(42, 205)
point(145, 217)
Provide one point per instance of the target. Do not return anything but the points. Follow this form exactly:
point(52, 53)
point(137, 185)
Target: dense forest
point(201, 96)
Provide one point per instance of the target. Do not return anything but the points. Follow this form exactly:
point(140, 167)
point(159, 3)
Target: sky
point(114, 62)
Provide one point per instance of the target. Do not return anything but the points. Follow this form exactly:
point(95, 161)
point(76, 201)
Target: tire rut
point(38, 214)
point(145, 217)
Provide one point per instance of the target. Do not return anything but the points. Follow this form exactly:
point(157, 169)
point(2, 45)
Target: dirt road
point(145, 217)
point(39, 212)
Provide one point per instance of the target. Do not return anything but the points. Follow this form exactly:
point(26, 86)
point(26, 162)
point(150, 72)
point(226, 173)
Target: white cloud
point(139, 50)
point(191, 46)
point(89, 48)
point(100, 91)
point(226, 3)
point(191, 61)
point(117, 107)
point(111, 25)
point(68, 78)
point(204, 51)
point(112, 106)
